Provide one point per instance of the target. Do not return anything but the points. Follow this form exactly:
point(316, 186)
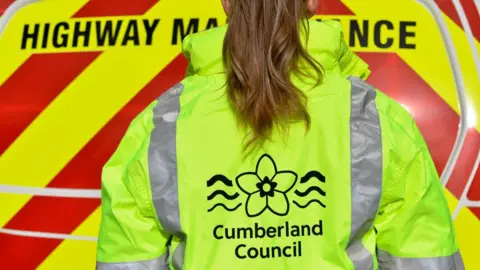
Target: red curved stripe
point(4, 4)
point(470, 9)
point(473, 16)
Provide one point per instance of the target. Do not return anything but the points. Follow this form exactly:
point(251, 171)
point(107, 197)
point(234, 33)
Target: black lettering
point(317, 229)
point(279, 251)
point(267, 253)
point(305, 228)
point(237, 249)
point(131, 34)
point(280, 231)
point(294, 249)
point(255, 253)
point(46, 31)
point(287, 229)
point(405, 34)
point(284, 251)
point(295, 230)
point(378, 34)
point(215, 232)
point(179, 29)
point(107, 30)
point(212, 23)
point(77, 33)
point(271, 232)
point(27, 35)
point(230, 236)
point(299, 248)
point(257, 229)
point(356, 31)
point(60, 40)
point(150, 29)
point(245, 231)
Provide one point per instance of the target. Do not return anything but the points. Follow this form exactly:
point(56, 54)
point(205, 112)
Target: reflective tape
point(387, 261)
point(10, 12)
point(52, 192)
point(47, 235)
point(162, 160)
point(155, 264)
point(178, 256)
point(366, 169)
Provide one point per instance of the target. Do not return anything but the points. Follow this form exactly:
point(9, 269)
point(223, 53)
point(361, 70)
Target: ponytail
point(262, 49)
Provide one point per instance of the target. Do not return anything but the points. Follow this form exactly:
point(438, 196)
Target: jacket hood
point(204, 49)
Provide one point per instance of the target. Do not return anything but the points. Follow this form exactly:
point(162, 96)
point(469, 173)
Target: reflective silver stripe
point(389, 262)
point(155, 264)
point(366, 169)
point(10, 12)
point(52, 192)
point(47, 235)
point(178, 255)
point(162, 160)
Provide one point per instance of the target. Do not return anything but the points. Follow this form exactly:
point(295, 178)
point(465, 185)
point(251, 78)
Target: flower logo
point(267, 188)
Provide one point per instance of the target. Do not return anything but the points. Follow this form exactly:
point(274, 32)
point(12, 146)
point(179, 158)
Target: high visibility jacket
point(359, 190)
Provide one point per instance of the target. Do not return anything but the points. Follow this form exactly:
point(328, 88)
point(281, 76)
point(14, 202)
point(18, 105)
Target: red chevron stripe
point(65, 215)
point(4, 4)
point(333, 7)
point(63, 212)
point(448, 8)
point(102, 8)
point(14, 256)
point(474, 192)
point(465, 165)
point(435, 119)
point(41, 214)
point(33, 86)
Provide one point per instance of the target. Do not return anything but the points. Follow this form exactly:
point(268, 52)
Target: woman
point(271, 155)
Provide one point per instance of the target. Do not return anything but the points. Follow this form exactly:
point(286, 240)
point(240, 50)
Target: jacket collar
point(204, 49)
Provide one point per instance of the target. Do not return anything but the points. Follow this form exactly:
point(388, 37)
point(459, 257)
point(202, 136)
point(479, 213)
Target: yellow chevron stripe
point(66, 255)
point(57, 10)
point(10, 204)
point(430, 50)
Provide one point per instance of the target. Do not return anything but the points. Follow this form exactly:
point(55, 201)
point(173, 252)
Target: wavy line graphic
point(309, 190)
point(312, 174)
point(220, 178)
point(225, 207)
point(312, 201)
point(224, 194)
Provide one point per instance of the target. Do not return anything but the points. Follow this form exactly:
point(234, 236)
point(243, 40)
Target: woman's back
point(358, 190)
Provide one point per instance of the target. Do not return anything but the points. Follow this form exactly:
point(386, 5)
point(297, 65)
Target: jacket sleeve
point(414, 225)
point(350, 63)
point(130, 234)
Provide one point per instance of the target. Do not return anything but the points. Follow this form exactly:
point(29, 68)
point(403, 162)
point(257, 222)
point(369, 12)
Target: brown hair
point(262, 48)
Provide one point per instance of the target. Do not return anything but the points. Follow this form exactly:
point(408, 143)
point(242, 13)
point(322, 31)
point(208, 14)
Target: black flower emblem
point(266, 188)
